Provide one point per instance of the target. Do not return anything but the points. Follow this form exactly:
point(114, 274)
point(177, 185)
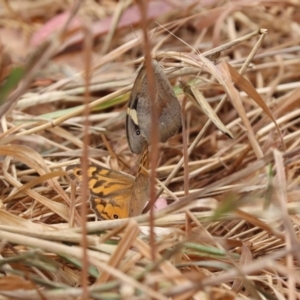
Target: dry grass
point(231, 227)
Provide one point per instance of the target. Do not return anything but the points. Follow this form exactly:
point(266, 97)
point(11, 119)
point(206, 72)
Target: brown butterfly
point(139, 120)
point(114, 195)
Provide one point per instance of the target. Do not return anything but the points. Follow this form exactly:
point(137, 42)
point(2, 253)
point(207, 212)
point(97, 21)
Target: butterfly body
point(141, 189)
point(114, 195)
point(139, 119)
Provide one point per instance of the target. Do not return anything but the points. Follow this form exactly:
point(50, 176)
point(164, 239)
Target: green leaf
point(12, 81)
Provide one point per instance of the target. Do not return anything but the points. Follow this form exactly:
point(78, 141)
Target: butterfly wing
point(138, 120)
point(135, 138)
point(141, 188)
point(110, 191)
point(169, 116)
point(108, 210)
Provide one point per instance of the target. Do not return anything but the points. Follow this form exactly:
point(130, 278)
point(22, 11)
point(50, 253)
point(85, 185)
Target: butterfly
point(139, 119)
point(114, 195)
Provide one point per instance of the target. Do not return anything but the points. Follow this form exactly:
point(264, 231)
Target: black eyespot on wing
point(115, 216)
point(78, 172)
point(137, 132)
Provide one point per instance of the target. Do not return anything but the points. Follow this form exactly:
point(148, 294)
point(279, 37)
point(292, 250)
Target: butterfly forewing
point(169, 116)
point(139, 120)
point(135, 139)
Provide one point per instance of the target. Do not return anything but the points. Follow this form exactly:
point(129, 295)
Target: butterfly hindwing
point(110, 191)
point(107, 210)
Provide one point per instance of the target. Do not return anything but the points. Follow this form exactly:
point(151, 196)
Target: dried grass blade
point(164, 265)
point(199, 100)
point(34, 160)
point(237, 103)
point(290, 236)
point(34, 182)
point(128, 237)
point(255, 221)
point(58, 208)
point(76, 252)
point(38, 59)
point(248, 88)
point(8, 219)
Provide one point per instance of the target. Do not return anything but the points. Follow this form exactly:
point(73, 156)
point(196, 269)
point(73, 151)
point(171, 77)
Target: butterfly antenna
point(170, 32)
